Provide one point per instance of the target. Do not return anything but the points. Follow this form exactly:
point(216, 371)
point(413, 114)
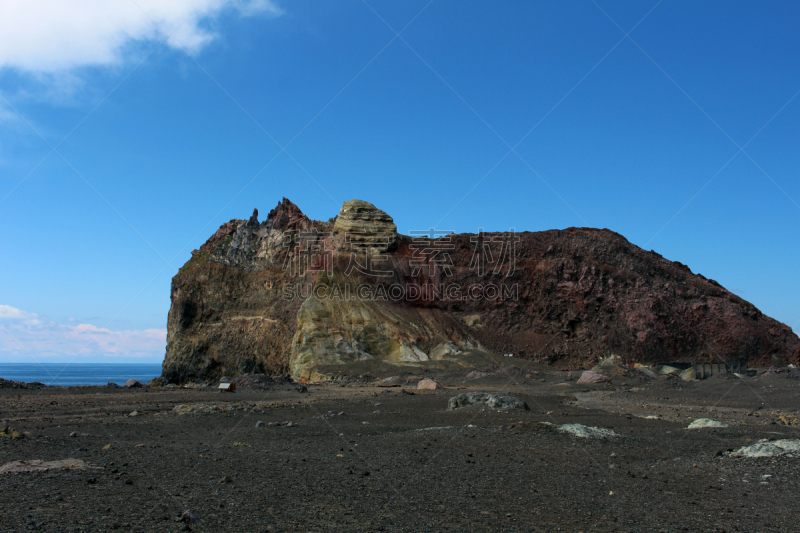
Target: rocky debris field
point(356, 456)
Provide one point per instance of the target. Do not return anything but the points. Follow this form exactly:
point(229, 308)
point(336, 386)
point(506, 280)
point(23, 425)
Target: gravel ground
point(379, 459)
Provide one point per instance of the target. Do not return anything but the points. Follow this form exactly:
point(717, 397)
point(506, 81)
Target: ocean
point(71, 374)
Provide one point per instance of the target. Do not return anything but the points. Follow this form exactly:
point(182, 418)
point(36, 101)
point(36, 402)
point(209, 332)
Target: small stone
point(73, 434)
point(428, 384)
point(134, 413)
point(592, 377)
point(289, 424)
point(226, 479)
point(189, 516)
point(260, 424)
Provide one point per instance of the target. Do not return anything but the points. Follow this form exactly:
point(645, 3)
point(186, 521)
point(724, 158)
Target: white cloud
point(18, 316)
point(28, 334)
point(48, 36)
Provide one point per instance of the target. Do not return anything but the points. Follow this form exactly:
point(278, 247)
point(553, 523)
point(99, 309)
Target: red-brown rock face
point(288, 294)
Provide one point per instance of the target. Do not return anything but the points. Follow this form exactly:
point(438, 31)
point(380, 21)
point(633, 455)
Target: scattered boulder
point(590, 376)
point(706, 423)
point(767, 448)
point(428, 384)
point(134, 384)
point(490, 400)
point(587, 432)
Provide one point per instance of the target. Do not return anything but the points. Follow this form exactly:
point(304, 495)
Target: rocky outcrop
point(362, 227)
point(333, 331)
point(228, 316)
point(292, 294)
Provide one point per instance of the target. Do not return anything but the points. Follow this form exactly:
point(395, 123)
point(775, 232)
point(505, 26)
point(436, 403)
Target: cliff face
point(291, 294)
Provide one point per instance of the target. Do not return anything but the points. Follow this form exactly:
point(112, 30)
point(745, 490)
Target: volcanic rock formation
point(292, 294)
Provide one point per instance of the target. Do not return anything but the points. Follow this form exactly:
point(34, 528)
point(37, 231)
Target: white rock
point(706, 423)
point(767, 448)
point(587, 432)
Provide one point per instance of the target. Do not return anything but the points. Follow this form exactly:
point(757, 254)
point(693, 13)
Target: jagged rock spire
point(287, 215)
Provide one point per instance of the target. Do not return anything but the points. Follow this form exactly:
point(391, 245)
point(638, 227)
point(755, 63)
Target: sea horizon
point(77, 374)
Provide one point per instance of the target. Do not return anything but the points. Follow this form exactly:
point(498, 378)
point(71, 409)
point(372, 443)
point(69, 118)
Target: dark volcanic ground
point(378, 459)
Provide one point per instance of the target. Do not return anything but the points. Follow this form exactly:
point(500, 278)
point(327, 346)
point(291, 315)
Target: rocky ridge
point(293, 294)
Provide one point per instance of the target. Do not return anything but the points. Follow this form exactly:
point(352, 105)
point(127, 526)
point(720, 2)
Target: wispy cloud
point(49, 36)
point(24, 335)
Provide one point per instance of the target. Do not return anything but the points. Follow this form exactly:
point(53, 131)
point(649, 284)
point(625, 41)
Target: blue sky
point(682, 136)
